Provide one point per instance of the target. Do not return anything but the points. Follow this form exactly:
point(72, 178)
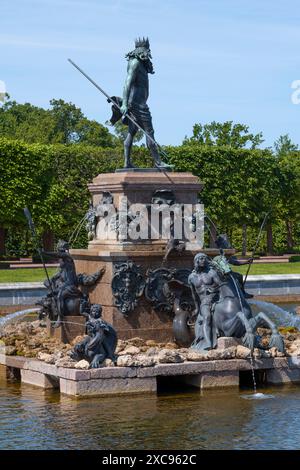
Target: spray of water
point(280, 317)
point(251, 352)
point(277, 314)
point(67, 323)
point(13, 316)
point(257, 396)
point(16, 315)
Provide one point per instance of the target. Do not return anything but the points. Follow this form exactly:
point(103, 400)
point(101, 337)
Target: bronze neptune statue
point(132, 107)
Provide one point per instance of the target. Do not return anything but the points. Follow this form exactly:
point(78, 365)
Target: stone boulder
point(10, 350)
point(154, 351)
point(48, 358)
point(218, 354)
point(145, 361)
point(171, 346)
point(242, 352)
point(108, 363)
point(83, 364)
point(138, 342)
point(169, 356)
point(131, 350)
point(151, 343)
point(196, 356)
point(140, 360)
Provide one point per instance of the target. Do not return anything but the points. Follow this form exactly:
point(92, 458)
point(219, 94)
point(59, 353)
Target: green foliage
point(121, 131)
point(240, 185)
point(283, 146)
point(63, 123)
point(270, 268)
point(20, 183)
point(18, 241)
point(25, 275)
point(50, 177)
point(294, 259)
point(220, 134)
point(25, 122)
point(52, 181)
point(289, 177)
point(38, 274)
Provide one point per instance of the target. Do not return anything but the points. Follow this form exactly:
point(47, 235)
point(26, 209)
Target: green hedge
point(52, 181)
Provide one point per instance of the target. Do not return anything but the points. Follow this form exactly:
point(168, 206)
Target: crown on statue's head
point(142, 42)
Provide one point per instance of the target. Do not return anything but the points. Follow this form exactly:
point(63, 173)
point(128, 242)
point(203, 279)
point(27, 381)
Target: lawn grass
point(270, 268)
point(38, 274)
point(25, 275)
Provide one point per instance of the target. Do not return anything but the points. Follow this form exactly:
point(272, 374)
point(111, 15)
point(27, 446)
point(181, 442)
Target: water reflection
point(35, 419)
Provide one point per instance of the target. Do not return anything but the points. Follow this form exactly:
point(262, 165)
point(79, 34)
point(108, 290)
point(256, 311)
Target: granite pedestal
point(138, 187)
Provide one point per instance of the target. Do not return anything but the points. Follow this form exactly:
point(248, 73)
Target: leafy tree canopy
point(63, 123)
point(289, 174)
point(226, 133)
point(284, 145)
point(121, 131)
point(239, 184)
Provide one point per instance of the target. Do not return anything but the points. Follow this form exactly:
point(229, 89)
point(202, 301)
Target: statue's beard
point(148, 65)
point(145, 57)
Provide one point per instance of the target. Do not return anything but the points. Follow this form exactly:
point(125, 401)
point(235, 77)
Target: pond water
point(35, 419)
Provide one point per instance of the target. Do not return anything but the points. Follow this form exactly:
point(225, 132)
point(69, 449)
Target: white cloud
point(2, 90)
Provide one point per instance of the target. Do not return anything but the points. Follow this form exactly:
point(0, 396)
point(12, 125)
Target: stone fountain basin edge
point(108, 381)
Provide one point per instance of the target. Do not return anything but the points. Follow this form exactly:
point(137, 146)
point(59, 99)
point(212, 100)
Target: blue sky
point(214, 59)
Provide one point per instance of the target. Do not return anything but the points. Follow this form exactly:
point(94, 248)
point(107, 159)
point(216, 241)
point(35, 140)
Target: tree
point(3, 95)
point(63, 123)
point(52, 181)
point(283, 146)
point(121, 131)
point(220, 134)
point(25, 122)
point(92, 133)
point(20, 181)
point(289, 175)
point(66, 117)
point(288, 160)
